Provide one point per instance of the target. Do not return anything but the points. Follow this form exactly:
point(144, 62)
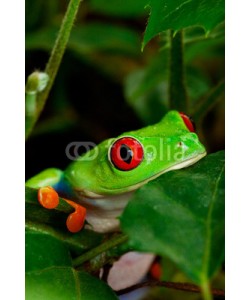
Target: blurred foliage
point(106, 86)
point(119, 8)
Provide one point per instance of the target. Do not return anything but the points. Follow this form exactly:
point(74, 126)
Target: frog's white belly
point(103, 213)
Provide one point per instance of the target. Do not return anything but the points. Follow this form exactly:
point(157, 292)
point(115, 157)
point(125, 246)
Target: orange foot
point(49, 199)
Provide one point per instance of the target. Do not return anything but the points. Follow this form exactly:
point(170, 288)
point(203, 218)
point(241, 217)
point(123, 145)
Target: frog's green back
point(170, 125)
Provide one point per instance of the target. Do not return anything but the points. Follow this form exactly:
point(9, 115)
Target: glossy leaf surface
point(65, 283)
point(179, 14)
point(181, 216)
point(50, 275)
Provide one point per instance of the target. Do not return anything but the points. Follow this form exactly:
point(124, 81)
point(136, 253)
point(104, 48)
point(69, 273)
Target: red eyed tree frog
point(100, 183)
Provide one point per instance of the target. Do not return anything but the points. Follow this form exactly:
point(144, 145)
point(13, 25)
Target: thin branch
point(187, 287)
point(55, 59)
point(114, 241)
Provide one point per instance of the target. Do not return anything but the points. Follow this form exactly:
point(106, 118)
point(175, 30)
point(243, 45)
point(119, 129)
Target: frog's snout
point(191, 142)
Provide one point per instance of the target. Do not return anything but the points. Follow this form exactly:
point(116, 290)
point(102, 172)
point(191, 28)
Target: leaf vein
point(77, 281)
point(207, 249)
point(47, 269)
point(177, 8)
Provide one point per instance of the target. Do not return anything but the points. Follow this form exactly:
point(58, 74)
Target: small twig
point(55, 59)
point(114, 241)
point(59, 48)
point(187, 287)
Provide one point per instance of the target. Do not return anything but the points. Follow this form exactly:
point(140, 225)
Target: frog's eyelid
point(188, 122)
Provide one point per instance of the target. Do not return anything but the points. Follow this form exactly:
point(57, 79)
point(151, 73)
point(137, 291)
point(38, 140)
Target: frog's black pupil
point(126, 154)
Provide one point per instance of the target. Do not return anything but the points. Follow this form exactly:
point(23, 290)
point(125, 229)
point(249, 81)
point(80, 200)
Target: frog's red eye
point(126, 153)
point(188, 122)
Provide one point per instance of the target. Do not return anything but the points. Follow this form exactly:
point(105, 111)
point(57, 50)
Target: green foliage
point(181, 215)
point(65, 283)
point(51, 224)
point(179, 14)
point(106, 85)
point(50, 275)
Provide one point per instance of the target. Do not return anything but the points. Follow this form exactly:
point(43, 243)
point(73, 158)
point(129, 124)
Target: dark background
point(89, 100)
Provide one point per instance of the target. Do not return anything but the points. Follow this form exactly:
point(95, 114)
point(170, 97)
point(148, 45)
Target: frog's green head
point(127, 162)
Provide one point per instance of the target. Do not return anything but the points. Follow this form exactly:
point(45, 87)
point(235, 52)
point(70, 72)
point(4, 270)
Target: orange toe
point(48, 197)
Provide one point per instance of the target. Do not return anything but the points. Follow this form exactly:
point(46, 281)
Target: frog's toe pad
point(75, 220)
point(48, 197)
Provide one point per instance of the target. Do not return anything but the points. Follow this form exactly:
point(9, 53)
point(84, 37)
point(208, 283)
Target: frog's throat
point(181, 165)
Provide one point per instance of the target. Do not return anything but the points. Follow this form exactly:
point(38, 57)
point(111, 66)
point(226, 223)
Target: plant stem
point(181, 286)
point(114, 241)
point(205, 290)
point(56, 57)
point(178, 92)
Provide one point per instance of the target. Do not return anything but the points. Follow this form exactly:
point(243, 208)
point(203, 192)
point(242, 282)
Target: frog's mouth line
point(181, 165)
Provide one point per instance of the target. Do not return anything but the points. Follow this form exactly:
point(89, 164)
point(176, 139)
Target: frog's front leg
point(47, 183)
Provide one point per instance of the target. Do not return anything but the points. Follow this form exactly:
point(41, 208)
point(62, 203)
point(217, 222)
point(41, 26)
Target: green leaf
point(64, 283)
point(77, 243)
point(43, 251)
point(119, 8)
point(179, 14)
point(50, 275)
point(181, 215)
point(53, 283)
point(94, 289)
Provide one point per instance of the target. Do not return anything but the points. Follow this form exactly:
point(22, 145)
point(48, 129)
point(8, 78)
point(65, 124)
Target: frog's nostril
point(180, 144)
